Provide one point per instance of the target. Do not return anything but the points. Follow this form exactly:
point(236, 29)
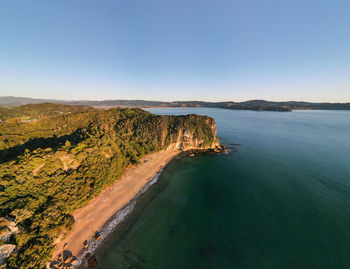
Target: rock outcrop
point(8, 227)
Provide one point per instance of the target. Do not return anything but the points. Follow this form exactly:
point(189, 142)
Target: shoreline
point(104, 212)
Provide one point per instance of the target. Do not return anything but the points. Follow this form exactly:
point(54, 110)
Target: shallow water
point(281, 201)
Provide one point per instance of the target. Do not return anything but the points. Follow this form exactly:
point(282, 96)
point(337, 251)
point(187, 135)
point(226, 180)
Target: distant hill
point(31, 112)
point(258, 105)
point(18, 101)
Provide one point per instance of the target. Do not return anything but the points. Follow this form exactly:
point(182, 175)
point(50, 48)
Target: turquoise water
point(281, 201)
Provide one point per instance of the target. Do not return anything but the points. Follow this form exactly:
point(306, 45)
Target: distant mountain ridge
point(258, 105)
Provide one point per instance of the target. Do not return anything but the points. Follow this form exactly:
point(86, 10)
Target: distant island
point(55, 158)
point(257, 105)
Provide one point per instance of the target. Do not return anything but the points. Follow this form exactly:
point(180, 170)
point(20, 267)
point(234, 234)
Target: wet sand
point(97, 212)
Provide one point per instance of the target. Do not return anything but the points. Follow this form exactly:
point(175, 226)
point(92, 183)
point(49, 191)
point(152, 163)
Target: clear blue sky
point(176, 50)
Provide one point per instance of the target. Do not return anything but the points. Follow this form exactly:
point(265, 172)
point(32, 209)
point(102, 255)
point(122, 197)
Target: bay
point(279, 199)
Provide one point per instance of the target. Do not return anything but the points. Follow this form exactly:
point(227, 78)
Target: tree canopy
point(55, 163)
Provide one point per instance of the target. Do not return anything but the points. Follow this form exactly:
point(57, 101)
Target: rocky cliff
point(187, 140)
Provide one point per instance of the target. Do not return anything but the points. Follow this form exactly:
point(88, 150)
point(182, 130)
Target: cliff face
point(187, 140)
point(53, 165)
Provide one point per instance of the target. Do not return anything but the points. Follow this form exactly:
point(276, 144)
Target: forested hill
point(258, 105)
point(60, 157)
point(31, 112)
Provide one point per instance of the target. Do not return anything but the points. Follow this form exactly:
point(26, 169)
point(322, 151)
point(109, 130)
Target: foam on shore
point(114, 221)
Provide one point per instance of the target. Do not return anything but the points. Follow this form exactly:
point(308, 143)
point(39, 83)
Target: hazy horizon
point(161, 100)
point(184, 50)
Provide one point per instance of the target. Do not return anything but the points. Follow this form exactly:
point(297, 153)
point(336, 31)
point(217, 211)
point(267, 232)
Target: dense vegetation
point(258, 105)
point(52, 166)
point(38, 111)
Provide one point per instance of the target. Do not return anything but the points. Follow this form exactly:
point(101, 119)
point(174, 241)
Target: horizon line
point(147, 100)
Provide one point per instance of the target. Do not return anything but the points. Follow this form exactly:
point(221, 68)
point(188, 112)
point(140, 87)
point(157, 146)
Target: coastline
point(105, 211)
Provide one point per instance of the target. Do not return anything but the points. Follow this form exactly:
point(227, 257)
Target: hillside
point(257, 105)
point(52, 165)
point(31, 112)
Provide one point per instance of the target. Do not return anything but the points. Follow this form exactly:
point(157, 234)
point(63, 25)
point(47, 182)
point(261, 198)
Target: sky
point(218, 50)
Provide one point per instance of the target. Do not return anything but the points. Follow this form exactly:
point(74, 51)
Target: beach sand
point(96, 212)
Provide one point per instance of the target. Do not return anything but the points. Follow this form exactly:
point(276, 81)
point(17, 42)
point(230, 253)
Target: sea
point(279, 199)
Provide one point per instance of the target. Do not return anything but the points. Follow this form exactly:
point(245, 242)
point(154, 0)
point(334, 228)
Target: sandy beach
point(96, 213)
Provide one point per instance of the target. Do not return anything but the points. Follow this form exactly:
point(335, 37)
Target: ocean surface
point(280, 199)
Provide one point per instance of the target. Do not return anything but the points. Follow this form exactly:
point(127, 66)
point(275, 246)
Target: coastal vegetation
point(54, 158)
point(38, 111)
